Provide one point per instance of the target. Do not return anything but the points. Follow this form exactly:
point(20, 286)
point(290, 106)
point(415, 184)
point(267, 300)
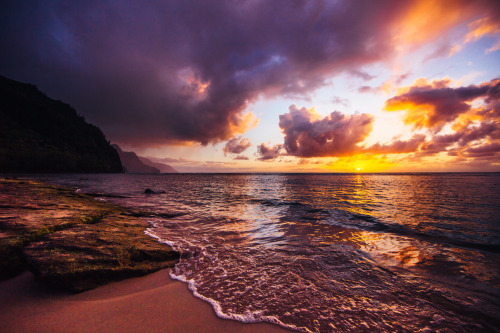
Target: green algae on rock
point(72, 241)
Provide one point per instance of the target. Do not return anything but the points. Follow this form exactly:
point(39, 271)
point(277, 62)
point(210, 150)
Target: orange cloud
point(472, 111)
point(430, 21)
point(240, 123)
point(485, 26)
point(426, 20)
point(433, 105)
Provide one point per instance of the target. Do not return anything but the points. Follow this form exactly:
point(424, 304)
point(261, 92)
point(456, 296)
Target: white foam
point(159, 239)
point(247, 317)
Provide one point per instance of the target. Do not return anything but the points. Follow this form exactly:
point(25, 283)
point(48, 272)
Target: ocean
point(328, 252)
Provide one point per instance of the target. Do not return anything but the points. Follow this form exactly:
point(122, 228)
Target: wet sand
point(152, 303)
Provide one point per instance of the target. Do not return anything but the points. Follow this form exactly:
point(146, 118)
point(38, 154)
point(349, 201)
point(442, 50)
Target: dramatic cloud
point(466, 142)
point(268, 153)
point(473, 113)
point(434, 104)
point(236, 145)
point(179, 71)
point(307, 134)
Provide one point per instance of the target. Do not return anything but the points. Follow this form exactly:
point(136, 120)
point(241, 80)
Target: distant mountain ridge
point(164, 168)
point(42, 135)
point(132, 163)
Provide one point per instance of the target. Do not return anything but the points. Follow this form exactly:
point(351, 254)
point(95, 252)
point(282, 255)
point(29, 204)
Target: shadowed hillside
point(39, 134)
point(131, 162)
point(164, 168)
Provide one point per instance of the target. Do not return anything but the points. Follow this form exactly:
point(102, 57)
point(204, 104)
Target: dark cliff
point(132, 164)
point(42, 135)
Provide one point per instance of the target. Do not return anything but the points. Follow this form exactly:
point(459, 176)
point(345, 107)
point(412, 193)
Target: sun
point(357, 169)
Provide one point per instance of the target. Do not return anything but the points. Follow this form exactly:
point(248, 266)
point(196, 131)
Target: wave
point(441, 233)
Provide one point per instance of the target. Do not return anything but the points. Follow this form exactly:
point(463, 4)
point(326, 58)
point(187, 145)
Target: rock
point(84, 257)
point(150, 191)
point(72, 241)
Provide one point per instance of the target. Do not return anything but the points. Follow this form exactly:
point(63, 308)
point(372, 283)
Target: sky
point(272, 86)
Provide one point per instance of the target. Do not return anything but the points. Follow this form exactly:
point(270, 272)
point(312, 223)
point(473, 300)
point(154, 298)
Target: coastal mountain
point(131, 162)
point(137, 164)
point(42, 135)
point(164, 168)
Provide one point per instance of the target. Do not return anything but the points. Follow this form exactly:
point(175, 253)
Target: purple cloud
point(486, 150)
point(236, 145)
point(268, 153)
point(178, 71)
point(307, 134)
point(398, 146)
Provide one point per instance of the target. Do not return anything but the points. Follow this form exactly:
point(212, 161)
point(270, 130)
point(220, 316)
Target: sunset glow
point(260, 87)
point(251, 165)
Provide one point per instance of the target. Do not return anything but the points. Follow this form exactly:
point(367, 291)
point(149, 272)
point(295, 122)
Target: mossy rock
point(72, 241)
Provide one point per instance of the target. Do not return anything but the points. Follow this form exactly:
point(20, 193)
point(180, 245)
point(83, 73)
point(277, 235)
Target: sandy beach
point(153, 303)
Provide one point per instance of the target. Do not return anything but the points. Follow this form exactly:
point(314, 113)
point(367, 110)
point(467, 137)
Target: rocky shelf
point(72, 241)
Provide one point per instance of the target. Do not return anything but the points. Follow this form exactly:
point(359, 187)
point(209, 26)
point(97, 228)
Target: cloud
point(368, 89)
point(486, 26)
point(386, 87)
point(186, 165)
point(398, 146)
point(472, 114)
point(341, 101)
point(432, 105)
point(486, 150)
point(307, 134)
point(241, 157)
point(268, 153)
point(171, 72)
point(465, 141)
point(443, 49)
point(236, 145)
point(424, 21)
point(362, 75)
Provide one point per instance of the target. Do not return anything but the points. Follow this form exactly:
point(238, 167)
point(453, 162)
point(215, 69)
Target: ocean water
point(328, 252)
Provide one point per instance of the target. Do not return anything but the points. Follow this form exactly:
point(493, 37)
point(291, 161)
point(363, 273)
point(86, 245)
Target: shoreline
point(55, 242)
point(151, 303)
